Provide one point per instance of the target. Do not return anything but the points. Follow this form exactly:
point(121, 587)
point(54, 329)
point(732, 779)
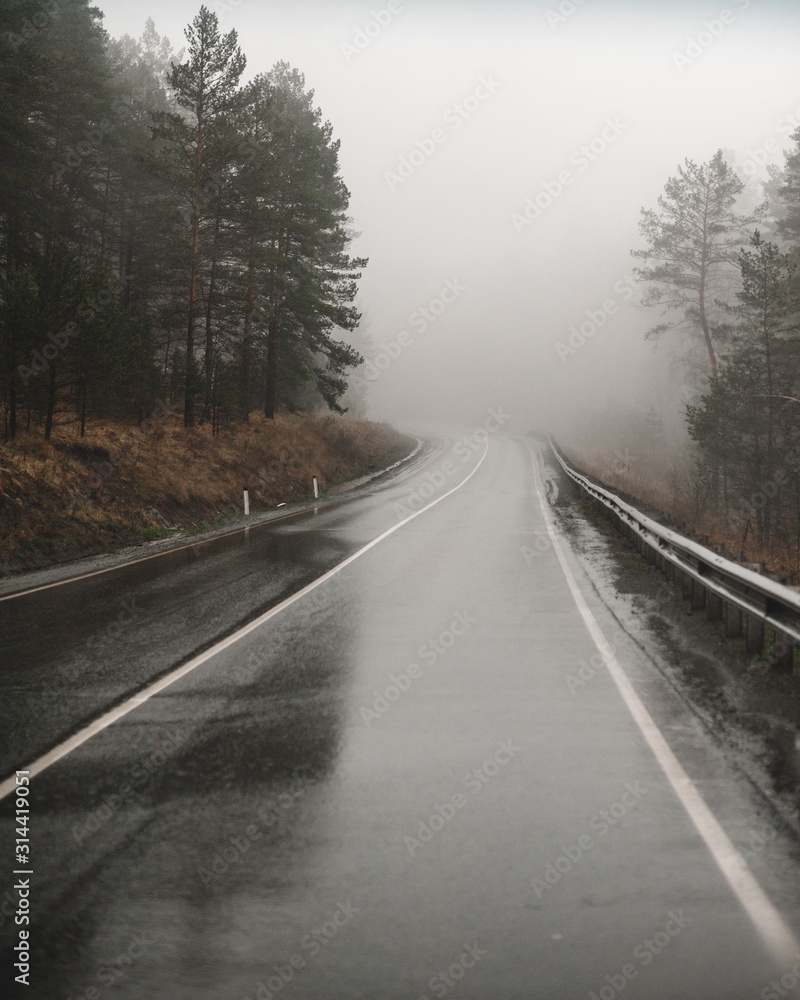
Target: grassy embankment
point(119, 486)
point(672, 488)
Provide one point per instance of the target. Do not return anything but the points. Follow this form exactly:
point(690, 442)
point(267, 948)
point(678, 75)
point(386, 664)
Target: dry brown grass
point(120, 485)
point(678, 493)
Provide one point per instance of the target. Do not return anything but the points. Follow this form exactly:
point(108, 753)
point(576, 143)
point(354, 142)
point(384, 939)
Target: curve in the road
point(129, 704)
point(200, 541)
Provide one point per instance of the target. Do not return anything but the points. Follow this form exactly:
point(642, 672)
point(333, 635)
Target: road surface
point(438, 770)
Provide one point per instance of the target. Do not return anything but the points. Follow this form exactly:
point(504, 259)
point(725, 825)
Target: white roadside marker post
point(316, 489)
point(247, 503)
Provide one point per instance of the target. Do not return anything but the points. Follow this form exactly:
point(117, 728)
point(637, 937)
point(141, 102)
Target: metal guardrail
point(720, 586)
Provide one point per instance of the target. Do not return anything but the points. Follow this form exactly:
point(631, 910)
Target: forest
point(169, 232)
point(166, 231)
point(719, 263)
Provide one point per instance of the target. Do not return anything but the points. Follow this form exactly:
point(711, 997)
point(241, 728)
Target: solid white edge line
point(112, 716)
point(777, 937)
point(333, 498)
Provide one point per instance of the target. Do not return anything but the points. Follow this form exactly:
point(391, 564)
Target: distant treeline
point(164, 231)
point(728, 281)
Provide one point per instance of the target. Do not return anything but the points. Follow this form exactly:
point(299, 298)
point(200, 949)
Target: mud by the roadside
point(752, 712)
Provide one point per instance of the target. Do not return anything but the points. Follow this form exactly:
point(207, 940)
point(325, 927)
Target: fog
point(454, 118)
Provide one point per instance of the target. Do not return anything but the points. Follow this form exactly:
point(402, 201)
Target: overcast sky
point(588, 107)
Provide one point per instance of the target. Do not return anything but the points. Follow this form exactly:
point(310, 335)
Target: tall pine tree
point(692, 244)
point(206, 88)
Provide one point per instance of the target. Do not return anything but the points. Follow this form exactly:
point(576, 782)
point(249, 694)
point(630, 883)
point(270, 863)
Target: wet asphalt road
point(394, 788)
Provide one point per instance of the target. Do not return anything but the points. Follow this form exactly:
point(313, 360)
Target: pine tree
point(205, 87)
point(309, 281)
point(23, 149)
point(141, 197)
point(789, 194)
point(692, 244)
point(748, 421)
point(143, 208)
point(75, 114)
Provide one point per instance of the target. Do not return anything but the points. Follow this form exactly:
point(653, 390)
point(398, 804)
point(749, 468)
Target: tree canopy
point(165, 231)
point(738, 292)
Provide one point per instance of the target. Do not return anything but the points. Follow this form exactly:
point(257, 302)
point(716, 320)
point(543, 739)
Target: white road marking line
point(115, 714)
point(776, 935)
point(142, 559)
point(331, 500)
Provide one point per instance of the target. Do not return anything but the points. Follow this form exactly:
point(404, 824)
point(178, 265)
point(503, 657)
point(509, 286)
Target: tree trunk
point(127, 251)
point(271, 400)
point(704, 323)
point(188, 403)
point(209, 359)
point(51, 404)
point(12, 387)
point(247, 336)
point(12, 405)
point(273, 339)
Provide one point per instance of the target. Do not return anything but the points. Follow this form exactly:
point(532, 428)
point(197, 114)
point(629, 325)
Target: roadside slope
point(118, 486)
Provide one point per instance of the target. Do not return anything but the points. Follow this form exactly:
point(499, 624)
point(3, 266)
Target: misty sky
point(605, 96)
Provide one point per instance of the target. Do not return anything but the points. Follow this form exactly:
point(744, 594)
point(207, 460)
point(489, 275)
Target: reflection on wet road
point(389, 790)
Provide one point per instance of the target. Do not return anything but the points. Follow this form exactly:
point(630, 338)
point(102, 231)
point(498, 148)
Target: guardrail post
point(757, 601)
point(755, 634)
point(783, 653)
point(733, 622)
point(713, 607)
